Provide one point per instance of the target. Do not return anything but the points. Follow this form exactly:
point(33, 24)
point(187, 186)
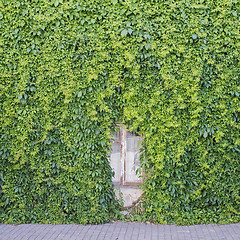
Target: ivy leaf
point(130, 31)
point(56, 3)
point(114, 1)
point(124, 32)
point(194, 36)
point(79, 94)
point(237, 149)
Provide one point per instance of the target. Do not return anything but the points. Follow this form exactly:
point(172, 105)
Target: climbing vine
point(71, 69)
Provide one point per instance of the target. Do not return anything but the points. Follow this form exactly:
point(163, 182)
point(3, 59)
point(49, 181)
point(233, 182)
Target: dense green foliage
point(71, 69)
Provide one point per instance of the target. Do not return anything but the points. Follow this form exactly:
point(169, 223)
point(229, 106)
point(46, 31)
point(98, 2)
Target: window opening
point(125, 158)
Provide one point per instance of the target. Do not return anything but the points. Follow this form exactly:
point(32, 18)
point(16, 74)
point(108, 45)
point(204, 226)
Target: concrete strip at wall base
point(129, 194)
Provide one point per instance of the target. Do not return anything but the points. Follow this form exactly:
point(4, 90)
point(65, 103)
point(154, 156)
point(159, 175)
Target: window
point(125, 157)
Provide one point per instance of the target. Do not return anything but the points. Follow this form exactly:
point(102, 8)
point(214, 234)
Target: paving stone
point(118, 231)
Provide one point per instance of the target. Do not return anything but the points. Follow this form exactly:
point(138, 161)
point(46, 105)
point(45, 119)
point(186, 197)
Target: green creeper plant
point(69, 70)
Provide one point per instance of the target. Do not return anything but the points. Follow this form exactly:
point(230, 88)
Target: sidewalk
point(118, 231)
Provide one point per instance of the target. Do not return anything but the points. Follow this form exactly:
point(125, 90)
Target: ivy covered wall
point(71, 69)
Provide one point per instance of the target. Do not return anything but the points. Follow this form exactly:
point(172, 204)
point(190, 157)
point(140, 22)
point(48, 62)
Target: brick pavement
point(119, 231)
